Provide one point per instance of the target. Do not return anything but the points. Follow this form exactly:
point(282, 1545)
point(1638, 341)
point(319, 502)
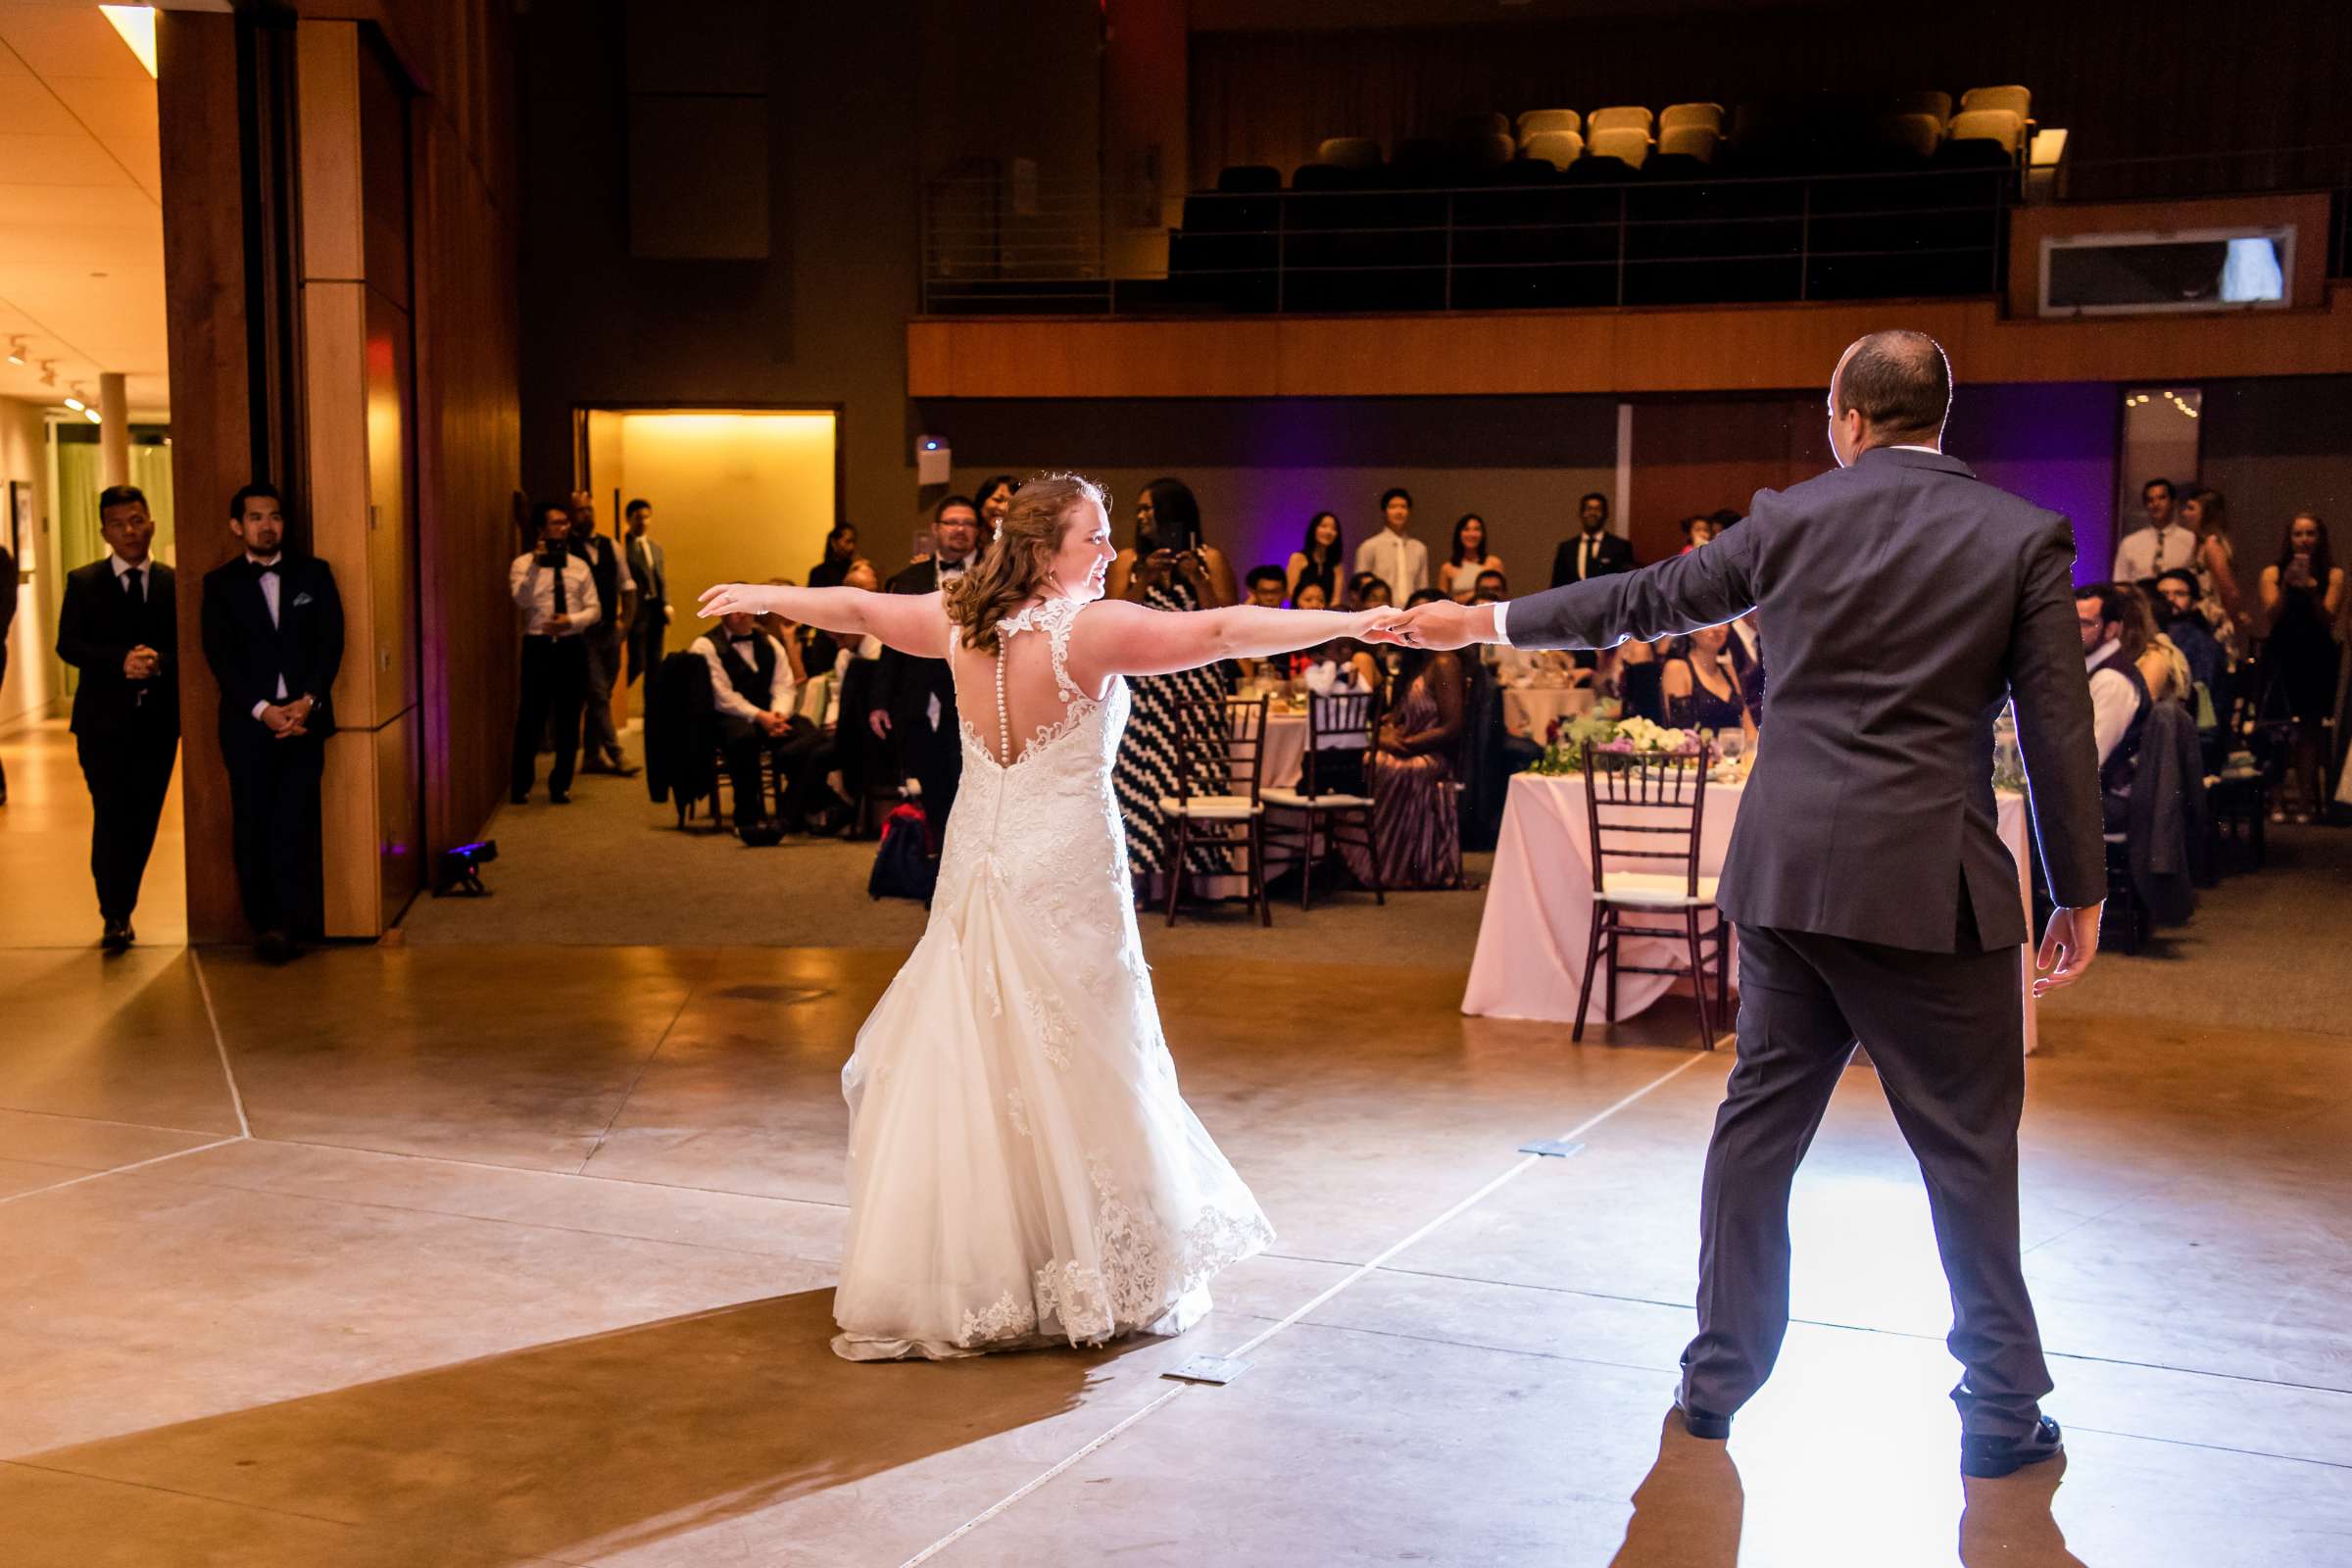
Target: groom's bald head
point(1900, 385)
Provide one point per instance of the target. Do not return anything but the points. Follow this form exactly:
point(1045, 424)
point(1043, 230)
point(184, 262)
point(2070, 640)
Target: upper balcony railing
point(998, 246)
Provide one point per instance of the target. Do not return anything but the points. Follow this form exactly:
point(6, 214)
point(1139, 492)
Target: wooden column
point(199, 117)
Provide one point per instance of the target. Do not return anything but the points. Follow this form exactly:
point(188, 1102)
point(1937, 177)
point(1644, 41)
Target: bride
point(1022, 1170)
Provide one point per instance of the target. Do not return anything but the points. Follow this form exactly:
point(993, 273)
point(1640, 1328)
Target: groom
point(1905, 601)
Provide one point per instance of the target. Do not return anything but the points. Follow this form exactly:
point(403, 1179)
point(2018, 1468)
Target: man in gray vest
point(1905, 603)
point(755, 695)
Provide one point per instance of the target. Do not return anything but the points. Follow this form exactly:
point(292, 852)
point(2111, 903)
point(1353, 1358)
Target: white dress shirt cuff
point(1503, 625)
point(258, 706)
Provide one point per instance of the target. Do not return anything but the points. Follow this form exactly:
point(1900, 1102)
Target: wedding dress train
point(1022, 1169)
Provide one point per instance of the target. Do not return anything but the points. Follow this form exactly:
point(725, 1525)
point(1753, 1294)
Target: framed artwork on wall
point(19, 526)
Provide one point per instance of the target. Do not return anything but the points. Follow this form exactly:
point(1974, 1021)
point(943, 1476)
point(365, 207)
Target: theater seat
point(1539, 122)
point(1359, 153)
point(1624, 117)
point(1676, 116)
point(1629, 146)
point(1693, 142)
point(2015, 100)
point(1558, 148)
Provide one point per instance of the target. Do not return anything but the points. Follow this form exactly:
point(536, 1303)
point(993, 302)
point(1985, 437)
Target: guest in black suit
point(1595, 552)
point(1905, 603)
point(119, 627)
point(648, 573)
point(273, 635)
point(602, 639)
point(557, 594)
point(913, 700)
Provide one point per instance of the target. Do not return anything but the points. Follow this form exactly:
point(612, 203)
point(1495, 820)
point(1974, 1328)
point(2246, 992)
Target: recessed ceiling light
point(136, 25)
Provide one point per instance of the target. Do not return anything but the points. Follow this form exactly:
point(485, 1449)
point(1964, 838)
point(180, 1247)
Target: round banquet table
point(1531, 711)
point(1539, 912)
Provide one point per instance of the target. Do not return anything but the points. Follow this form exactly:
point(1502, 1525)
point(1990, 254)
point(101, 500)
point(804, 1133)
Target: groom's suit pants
point(1945, 1033)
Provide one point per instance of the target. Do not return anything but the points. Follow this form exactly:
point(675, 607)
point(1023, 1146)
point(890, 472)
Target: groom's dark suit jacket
point(1904, 600)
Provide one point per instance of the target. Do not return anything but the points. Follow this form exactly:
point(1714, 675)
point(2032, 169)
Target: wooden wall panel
point(1702, 455)
point(205, 265)
point(1730, 349)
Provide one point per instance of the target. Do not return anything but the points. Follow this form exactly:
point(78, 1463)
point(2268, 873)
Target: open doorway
point(734, 494)
point(84, 404)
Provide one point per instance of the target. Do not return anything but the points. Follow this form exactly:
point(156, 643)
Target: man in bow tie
point(119, 627)
point(273, 636)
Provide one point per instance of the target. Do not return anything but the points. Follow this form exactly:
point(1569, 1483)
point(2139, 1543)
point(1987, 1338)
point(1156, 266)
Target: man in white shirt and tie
point(2164, 545)
point(2119, 698)
point(756, 699)
point(556, 592)
point(1391, 555)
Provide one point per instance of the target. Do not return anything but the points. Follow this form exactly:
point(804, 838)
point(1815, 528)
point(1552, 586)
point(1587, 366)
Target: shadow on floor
point(1689, 1510)
point(590, 1446)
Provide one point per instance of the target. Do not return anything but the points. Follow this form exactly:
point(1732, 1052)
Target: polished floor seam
point(541, 1170)
point(117, 1170)
point(2211, 1447)
point(236, 1096)
point(108, 1121)
point(684, 1001)
point(1494, 1185)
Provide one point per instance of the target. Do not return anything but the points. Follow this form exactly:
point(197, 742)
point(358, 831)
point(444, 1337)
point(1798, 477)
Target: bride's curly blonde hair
point(1019, 562)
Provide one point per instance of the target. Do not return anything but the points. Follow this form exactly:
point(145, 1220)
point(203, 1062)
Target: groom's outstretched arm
point(1702, 587)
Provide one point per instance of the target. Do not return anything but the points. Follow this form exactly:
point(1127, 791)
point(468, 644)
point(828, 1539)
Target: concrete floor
point(491, 1252)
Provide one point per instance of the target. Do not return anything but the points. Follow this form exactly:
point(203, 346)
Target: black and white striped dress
point(1146, 766)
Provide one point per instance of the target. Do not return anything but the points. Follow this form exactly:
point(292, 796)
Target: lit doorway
point(737, 494)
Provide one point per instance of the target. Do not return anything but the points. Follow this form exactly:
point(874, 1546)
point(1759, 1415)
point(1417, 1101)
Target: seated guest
point(273, 635)
point(753, 690)
point(1631, 673)
point(1322, 667)
point(1493, 584)
point(841, 548)
point(1367, 590)
point(793, 635)
point(1416, 832)
point(2160, 661)
point(994, 499)
point(2118, 695)
point(1265, 586)
point(863, 757)
point(1697, 530)
point(1702, 685)
point(1470, 559)
point(2189, 628)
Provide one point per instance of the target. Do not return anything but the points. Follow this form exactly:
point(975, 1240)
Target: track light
point(48, 373)
point(15, 350)
point(92, 416)
point(75, 404)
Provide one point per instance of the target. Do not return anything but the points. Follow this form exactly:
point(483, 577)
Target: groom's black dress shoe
point(1703, 1423)
point(1988, 1458)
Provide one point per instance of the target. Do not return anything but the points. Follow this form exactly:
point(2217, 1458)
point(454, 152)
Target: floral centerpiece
point(1566, 753)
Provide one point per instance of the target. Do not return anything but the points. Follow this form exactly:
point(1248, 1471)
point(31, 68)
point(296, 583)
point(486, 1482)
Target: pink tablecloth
point(1539, 912)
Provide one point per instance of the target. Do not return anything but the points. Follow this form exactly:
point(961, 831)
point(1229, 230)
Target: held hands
point(287, 720)
point(142, 663)
point(2068, 945)
point(738, 598)
point(1439, 625)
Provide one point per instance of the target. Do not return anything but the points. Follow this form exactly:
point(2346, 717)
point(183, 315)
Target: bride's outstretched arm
point(1116, 638)
point(911, 623)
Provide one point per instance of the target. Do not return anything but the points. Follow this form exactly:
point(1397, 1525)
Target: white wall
point(35, 678)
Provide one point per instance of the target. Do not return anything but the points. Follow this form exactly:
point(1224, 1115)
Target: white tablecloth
point(1538, 910)
point(1529, 709)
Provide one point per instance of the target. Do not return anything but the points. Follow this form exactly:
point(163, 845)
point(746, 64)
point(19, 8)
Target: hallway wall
point(34, 676)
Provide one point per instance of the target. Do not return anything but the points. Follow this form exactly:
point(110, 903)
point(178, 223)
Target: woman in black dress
point(1170, 567)
point(1321, 558)
point(2302, 594)
point(1702, 685)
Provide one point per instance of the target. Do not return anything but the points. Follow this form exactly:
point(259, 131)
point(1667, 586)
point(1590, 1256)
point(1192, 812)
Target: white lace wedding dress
point(1022, 1170)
